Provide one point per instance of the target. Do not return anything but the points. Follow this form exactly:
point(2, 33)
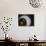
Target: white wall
point(12, 8)
point(45, 28)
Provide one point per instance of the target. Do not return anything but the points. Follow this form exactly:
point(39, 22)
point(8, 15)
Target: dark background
point(31, 16)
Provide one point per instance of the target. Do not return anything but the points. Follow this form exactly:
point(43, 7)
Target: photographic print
point(26, 19)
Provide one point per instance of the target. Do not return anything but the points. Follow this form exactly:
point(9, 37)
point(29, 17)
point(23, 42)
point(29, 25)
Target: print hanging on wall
point(26, 19)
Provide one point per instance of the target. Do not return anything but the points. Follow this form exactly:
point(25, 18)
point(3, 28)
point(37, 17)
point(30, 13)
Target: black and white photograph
point(26, 19)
